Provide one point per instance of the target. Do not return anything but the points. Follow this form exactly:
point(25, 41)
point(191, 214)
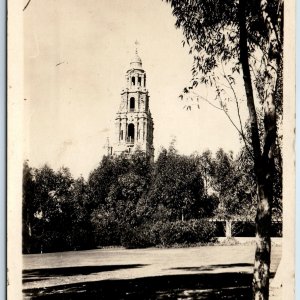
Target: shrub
point(110, 232)
point(186, 232)
point(138, 237)
point(107, 233)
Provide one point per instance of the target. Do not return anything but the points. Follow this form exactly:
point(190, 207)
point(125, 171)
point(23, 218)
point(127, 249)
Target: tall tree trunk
point(261, 274)
point(263, 162)
point(270, 132)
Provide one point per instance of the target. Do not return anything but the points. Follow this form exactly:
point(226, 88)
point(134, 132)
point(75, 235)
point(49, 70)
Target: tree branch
point(26, 4)
point(236, 127)
point(237, 107)
point(274, 33)
point(206, 100)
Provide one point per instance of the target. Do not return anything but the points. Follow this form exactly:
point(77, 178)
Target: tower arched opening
point(130, 137)
point(132, 104)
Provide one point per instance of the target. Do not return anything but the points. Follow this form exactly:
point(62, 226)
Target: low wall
point(247, 240)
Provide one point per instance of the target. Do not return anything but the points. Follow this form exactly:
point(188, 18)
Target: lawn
point(208, 272)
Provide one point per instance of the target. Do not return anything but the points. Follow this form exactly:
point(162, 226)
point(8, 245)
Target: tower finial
point(136, 61)
point(136, 46)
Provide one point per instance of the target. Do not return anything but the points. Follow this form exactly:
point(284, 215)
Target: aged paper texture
point(68, 63)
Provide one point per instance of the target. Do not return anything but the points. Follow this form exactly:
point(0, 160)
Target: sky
point(76, 54)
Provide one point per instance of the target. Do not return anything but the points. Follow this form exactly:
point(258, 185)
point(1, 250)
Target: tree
point(236, 31)
point(205, 162)
point(246, 189)
point(224, 180)
point(102, 178)
point(54, 210)
point(231, 182)
point(118, 195)
point(79, 228)
point(52, 194)
point(234, 186)
point(28, 207)
point(178, 186)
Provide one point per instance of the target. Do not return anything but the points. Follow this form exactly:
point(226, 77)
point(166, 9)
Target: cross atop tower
point(136, 47)
point(136, 61)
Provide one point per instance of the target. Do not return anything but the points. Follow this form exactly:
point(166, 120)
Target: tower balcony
point(130, 140)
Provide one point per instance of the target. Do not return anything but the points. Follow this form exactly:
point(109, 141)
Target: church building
point(133, 123)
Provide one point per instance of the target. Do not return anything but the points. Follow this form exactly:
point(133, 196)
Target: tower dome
point(136, 62)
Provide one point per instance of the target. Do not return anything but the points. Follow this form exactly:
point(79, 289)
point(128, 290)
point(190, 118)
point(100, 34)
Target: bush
point(107, 233)
point(110, 232)
point(168, 234)
point(138, 237)
point(81, 239)
point(186, 232)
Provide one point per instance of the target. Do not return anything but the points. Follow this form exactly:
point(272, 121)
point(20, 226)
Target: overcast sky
point(76, 55)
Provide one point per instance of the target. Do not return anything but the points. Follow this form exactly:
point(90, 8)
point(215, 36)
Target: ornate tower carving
point(133, 123)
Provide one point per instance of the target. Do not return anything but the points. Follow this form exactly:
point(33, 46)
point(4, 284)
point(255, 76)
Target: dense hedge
point(187, 232)
point(158, 234)
point(139, 237)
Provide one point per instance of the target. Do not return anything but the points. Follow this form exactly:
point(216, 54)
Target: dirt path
point(87, 271)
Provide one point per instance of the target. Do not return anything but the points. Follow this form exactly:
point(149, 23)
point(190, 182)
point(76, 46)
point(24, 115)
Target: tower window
point(133, 80)
point(121, 135)
point(132, 104)
point(146, 104)
point(130, 133)
point(139, 81)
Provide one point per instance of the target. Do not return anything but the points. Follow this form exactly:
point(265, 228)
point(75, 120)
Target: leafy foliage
point(186, 232)
point(135, 203)
point(54, 215)
point(211, 29)
point(178, 185)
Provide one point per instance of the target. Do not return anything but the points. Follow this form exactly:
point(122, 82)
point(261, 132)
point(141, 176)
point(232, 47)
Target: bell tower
point(133, 123)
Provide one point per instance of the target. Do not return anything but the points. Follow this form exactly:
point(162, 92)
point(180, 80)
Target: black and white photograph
point(151, 149)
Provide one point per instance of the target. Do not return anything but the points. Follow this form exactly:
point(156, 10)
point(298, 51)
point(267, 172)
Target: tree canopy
point(242, 34)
